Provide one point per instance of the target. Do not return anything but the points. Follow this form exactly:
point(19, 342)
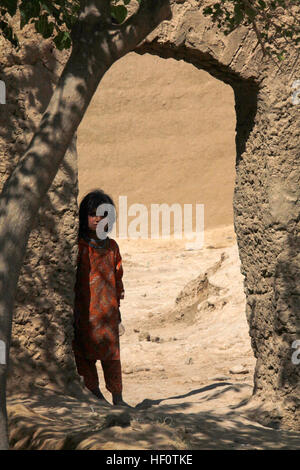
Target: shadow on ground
point(48, 420)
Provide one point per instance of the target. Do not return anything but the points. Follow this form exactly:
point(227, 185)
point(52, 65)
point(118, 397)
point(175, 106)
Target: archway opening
point(162, 131)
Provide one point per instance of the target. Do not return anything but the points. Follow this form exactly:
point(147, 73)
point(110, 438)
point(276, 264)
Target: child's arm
point(119, 275)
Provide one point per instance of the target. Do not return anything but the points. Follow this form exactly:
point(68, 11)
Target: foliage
point(275, 22)
point(50, 17)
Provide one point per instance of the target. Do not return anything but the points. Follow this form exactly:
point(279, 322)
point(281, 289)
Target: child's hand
point(121, 326)
point(121, 329)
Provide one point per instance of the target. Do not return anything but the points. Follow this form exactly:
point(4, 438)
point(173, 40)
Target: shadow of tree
point(55, 421)
point(146, 403)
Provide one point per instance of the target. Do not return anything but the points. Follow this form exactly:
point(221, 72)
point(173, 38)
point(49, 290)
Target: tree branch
point(149, 15)
point(93, 11)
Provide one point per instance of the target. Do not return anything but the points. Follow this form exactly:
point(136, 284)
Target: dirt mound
point(190, 300)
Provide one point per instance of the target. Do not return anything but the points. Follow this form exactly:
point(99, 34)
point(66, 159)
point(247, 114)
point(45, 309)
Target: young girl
point(98, 291)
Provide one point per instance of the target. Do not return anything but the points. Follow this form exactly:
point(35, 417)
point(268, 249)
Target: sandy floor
point(175, 350)
point(186, 357)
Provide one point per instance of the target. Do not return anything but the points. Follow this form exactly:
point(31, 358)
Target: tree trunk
point(97, 44)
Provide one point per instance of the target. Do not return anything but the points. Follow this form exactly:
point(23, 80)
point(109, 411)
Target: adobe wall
point(42, 328)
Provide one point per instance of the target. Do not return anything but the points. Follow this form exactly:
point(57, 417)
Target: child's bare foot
point(100, 396)
point(118, 400)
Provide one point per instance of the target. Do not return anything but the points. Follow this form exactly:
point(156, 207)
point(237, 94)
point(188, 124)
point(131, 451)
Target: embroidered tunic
point(98, 291)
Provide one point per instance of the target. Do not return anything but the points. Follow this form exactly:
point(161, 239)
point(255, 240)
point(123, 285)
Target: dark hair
point(89, 204)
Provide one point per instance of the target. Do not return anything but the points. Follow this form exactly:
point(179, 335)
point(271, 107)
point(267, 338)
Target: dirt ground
point(186, 357)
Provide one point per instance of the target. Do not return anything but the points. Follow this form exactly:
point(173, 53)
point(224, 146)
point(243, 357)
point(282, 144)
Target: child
point(98, 291)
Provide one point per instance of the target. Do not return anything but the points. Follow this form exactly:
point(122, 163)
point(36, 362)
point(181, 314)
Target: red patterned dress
point(98, 291)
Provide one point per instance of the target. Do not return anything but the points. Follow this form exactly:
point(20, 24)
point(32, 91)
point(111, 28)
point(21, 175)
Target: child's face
point(94, 219)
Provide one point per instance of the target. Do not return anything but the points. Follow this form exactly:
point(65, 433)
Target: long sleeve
point(119, 276)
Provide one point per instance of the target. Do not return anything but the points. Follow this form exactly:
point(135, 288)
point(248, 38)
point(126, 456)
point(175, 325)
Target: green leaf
point(119, 12)
point(29, 10)
point(43, 27)
point(46, 7)
point(207, 11)
point(10, 5)
point(63, 40)
point(239, 14)
point(250, 12)
point(8, 34)
point(262, 4)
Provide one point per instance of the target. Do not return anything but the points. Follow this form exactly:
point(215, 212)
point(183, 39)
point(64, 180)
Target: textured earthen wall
point(42, 327)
